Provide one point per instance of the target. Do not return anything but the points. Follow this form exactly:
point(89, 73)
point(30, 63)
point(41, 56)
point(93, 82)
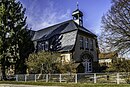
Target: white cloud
point(38, 18)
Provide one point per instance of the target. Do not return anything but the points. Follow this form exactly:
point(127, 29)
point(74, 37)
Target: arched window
point(87, 61)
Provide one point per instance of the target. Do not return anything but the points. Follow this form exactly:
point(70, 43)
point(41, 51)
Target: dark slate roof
point(68, 41)
point(59, 29)
point(87, 31)
point(32, 32)
point(67, 29)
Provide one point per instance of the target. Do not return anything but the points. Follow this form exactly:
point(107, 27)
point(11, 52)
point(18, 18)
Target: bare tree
point(116, 26)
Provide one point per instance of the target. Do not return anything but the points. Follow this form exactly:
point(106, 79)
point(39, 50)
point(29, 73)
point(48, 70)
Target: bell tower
point(78, 16)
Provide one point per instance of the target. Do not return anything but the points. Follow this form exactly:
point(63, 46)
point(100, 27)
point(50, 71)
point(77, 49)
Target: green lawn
point(66, 84)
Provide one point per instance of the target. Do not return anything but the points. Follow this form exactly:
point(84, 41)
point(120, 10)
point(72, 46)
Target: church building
point(72, 40)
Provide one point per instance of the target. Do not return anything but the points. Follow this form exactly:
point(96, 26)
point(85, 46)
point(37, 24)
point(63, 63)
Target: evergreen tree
point(14, 37)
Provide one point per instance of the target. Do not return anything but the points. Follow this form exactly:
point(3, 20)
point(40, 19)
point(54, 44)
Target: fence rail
point(75, 78)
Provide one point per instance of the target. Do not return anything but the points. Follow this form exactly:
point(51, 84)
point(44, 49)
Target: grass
point(66, 84)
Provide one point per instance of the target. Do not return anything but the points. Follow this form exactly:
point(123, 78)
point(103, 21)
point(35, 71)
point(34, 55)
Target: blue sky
point(44, 13)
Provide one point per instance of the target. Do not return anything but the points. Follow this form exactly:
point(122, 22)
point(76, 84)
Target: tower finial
point(78, 16)
point(77, 5)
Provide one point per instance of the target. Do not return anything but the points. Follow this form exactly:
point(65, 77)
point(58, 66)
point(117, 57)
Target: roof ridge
point(54, 25)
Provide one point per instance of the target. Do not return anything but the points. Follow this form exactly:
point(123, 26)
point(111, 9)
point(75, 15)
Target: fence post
point(60, 78)
point(118, 78)
point(25, 78)
point(35, 77)
point(46, 77)
point(76, 78)
point(94, 77)
point(16, 76)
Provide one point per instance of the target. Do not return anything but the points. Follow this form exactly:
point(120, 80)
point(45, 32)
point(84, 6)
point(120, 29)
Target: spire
point(77, 5)
point(78, 16)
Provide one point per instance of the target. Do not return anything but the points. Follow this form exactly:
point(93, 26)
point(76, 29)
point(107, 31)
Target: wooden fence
point(76, 78)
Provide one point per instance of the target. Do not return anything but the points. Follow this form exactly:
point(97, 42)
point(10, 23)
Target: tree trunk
point(20, 67)
point(3, 72)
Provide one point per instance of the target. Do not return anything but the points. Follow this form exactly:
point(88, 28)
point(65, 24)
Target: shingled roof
point(67, 29)
point(59, 29)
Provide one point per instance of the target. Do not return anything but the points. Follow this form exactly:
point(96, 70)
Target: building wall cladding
point(79, 51)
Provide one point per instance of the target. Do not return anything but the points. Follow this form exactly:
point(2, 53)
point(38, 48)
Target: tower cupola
point(78, 16)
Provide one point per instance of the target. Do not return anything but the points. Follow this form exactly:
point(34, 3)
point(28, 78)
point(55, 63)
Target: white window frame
point(62, 59)
point(88, 65)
